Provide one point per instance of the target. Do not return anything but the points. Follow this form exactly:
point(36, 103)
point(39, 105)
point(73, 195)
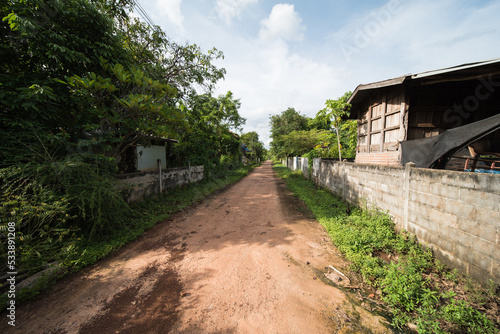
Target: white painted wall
point(147, 156)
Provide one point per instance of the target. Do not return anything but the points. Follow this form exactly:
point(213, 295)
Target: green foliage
point(82, 83)
point(464, 319)
point(296, 135)
point(403, 285)
point(124, 107)
point(335, 110)
point(256, 147)
point(43, 42)
point(297, 143)
point(284, 124)
point(349, 138)
point(334, 114)
point(71, 79)
point(53, 203)
point(209, 140)
point(405, 277)
point(40, 215)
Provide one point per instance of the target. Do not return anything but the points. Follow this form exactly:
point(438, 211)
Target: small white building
point(147, 156)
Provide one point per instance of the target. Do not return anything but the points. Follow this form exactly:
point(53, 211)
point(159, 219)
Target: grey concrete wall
point(138, 186)
point(297, 163)
point(457, 214)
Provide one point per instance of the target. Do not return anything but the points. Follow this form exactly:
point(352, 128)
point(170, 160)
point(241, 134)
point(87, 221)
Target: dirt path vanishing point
point(247, 260)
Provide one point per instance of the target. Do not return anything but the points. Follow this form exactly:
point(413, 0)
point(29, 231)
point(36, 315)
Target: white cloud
point(268, 79)
point(172, 9)
point(229, 9)
point(283, 23)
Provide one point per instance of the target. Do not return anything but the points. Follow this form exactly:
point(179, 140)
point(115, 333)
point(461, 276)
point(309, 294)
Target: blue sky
point(301, 53)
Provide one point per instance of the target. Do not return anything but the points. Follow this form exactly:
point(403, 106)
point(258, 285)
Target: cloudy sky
point(301, 53)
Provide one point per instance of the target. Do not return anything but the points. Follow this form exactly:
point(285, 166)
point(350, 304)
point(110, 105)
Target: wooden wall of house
point(438, 106)
point(381, 126)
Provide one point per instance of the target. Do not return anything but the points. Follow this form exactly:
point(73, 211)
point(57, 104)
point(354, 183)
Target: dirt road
point(245, 261)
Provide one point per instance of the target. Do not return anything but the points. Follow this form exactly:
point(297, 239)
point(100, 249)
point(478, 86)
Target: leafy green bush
point(96, 203)
point(53, 205)
point(40, 215)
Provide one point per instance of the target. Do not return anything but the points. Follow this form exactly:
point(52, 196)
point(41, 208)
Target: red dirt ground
point(248, 260)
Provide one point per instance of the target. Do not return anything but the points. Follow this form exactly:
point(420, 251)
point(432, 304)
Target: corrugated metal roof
point(455, 68)
point(363, 90)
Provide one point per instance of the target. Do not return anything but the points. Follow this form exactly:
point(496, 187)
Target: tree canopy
point(294, 134)
point(81, 75)
point(282, 125)
point(256, 147)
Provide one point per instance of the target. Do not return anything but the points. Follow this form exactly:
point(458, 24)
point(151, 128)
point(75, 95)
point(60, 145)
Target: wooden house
point(425, 105)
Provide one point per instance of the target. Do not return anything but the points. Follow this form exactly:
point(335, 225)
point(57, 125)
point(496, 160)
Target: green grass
point(415, 287)
point(78, 251)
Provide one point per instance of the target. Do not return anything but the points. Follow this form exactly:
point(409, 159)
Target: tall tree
point(210, 136)
point(283, 124)
point(43, 42)
point(256, 147)
point(82, 73)
point(298, 143)
point(334, 112)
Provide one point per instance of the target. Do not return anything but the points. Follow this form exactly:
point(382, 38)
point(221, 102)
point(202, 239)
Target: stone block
point(445, 191)
point(457, 179)
point(425, 223)
point(474, 256)
point(442, 218)
point(456, 236)
point(480, 199)
point(482, 231)
point(441, 241)
point(427, 199)
point(488, 216)
point(460, 209)
point(488, 183)
point(495, 271)
point(481, 275)
point(422, 186)
point(451, 260)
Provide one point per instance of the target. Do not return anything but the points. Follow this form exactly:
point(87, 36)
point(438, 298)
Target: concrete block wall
point(366, 185)
point(457, 214)
point(138, 186)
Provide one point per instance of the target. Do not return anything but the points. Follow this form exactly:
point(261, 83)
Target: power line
point(143, 13)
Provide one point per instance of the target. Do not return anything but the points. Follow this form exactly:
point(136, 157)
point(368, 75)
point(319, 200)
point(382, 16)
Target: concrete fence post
point(158, 161)
point(189, 170)
point(406, 193)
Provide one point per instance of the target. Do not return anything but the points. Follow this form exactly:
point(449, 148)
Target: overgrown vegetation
point(416, 288)
point(328, 135)
point(76, 247)
point(83, 83)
